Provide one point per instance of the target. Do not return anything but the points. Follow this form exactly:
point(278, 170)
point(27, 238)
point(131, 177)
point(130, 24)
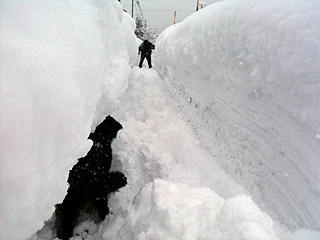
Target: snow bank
point(246, 75)
point(167, 210)
point(64, 65)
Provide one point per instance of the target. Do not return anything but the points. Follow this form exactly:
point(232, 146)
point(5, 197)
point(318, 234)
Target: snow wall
point(64, 65)
point(247, 76)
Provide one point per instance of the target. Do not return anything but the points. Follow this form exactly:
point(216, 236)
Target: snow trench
point(233, 114)
point(175, 189)
point(246, 76)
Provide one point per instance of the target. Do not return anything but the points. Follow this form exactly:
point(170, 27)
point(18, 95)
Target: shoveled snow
point(245, 96)
point(220, 140)
point(175, 190)
point(63, 65)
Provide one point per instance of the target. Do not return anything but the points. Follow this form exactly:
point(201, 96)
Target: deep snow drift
point(64, 65)
point(250, 72)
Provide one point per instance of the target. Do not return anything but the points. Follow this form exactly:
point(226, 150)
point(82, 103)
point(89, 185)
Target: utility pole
point(132, 9)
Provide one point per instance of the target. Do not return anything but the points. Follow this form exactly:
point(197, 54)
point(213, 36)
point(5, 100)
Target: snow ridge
point(246, 75)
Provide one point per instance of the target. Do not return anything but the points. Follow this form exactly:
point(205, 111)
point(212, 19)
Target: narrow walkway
point(152, 123)
point(172, 181)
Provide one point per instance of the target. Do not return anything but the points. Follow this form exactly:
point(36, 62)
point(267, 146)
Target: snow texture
point(64, 65)
point(175, 189)
point(250, 72)
point(222, 144)
point(176, 211)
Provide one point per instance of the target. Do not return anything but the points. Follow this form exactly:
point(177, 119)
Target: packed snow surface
point(63, 65)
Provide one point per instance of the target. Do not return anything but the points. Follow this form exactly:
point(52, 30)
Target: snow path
point(152, 123)
point(172, 181)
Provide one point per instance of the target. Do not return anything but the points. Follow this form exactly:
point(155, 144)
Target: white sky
point(160, 13)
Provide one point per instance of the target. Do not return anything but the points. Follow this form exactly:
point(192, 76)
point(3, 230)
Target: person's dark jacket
point(91, 180)
point(146, 48)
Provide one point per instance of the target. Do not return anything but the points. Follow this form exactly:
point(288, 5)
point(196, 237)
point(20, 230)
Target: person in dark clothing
point(91, 180)
point(145, 49)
